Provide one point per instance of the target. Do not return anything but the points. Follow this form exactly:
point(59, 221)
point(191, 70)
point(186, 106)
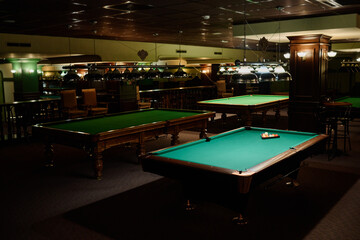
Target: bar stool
point(327, 123)
point(338, 115)
point(344, 121)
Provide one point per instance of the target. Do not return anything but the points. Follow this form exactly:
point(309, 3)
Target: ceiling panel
point(203, 22)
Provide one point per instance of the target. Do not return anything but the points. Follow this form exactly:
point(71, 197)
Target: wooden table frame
point(96, 144)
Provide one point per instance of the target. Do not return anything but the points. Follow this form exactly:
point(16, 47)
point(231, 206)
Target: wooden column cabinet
point(308, 85)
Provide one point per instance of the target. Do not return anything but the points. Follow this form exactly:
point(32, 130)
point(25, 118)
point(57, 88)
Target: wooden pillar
point(308, 85)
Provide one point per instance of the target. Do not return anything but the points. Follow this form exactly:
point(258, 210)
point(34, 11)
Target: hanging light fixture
point(244, 59)
point(279, 8)
point(166, 73)
point(180, 72)
point(245, 69)
point(142, 72)
point(279, 69)
point(151, 73)
point(157, 72)
point(71, 77)
point(108, 74)
point(93, 73)
point(126, 73)
point(221, 70)
point(135, 74)
point(116, 75)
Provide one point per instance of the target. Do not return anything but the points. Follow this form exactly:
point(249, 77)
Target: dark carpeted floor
point(66, 203)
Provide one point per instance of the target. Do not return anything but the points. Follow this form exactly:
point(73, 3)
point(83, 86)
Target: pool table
point(226, 167)
point(355, 101)
point(97, 134)
point(246, 105)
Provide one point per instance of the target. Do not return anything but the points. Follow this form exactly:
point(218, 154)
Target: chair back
point(68, 99)
point(89, 97)
point(221, 86)
point(137, 93)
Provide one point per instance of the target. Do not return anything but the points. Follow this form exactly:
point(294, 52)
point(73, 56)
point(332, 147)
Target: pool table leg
point(248, 119)
point(189, 206)
point(140, 149)
point(49, 155)
point(203, 133)
point(240, 204)
point(96, 157)
point(175, 139)
point(223, 117)
point(175, 136)
point(240, 220)
point(263, 116)
point(277, 113)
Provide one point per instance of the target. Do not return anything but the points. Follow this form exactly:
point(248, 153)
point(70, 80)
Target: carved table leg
point(277, 113)
point(223, 117)
point(263, 115)
point(96, 157)
point(189, 206)
point(240, 220)
point(140, 150)
point(175, 139)
point(203, 133)
point(248, 119)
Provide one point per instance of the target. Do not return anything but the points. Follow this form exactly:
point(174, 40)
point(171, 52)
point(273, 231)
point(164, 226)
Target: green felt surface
point(247, 99)
point(239, 149)
point(355, 101)
point(107, 123)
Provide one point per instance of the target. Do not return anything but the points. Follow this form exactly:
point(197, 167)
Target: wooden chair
point(69, 105)
point(143, 103)
point(90, 102)
point(221, 89)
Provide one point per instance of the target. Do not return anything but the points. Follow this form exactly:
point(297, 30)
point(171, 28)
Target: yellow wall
point(111, 50)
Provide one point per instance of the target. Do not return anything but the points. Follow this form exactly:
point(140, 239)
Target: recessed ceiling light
point(78, 12)
point(76, 20)
point(224, 41)
point(9, 21)
point(206, 17)
point(216, 33)
point(80, 4)
point(128, 6)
